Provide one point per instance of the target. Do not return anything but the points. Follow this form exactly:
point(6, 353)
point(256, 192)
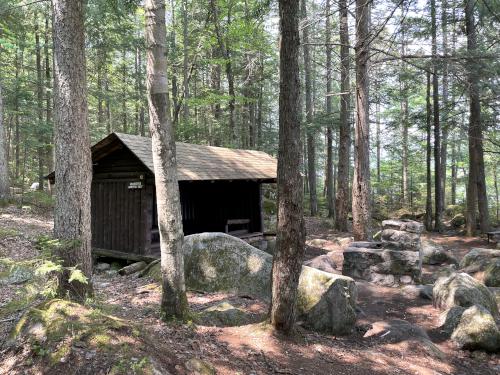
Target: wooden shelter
point(220, 191)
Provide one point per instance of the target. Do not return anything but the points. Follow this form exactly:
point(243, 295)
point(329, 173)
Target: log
point(132, 268)
point(148, 267)
point(97, 253)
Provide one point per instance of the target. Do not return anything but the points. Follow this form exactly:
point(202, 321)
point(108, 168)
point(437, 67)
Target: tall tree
point(311, 147)
point(329, 129)
point(428, 199)
point(290, 237)
point(39, 95)
point(404, 119)
point(476, 188)
point(174, 301)
point(438, 189)
point(4, 168)
point(444, 101)
point(344, 149)
point(73, 169)
point(361, 205)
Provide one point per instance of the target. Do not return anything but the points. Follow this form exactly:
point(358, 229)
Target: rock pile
point(393, 261)
point(483, 264)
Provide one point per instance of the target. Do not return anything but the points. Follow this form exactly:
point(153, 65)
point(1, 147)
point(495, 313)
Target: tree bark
point(185, 62)
point(404, 123)
point(174, 301)
point(4, 167)
point(39, 104)
point(444, 101)
point(428, 200)
point(344, 149)
point(361, 199)
point(311, 148)
point(73, 172)
point(438, 189)
point(287, 261)
point(330, 198)
point(476, 192)
point(17, 141)
point(48, 102)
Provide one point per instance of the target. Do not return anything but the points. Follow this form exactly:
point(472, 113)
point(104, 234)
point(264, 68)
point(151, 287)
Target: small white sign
point(135, 185)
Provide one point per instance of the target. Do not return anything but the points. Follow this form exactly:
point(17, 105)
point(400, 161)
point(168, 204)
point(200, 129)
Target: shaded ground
point(246, 349)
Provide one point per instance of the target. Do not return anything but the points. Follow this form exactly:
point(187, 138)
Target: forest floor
point(246, 349)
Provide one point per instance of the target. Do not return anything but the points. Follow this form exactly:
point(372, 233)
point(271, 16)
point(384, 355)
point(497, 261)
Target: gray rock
point(357, 261)
point(449, 319)
point(219, 262)
point(323, 263)
point(18, 275)
point(398, 263)
point(410, 241)
point(366, 244)
point(477, 330)
point(102, 266)
point(327, 302)
point(382, 279)
point(433, 253)
point(460, 289)
point(492, 273)
point(223, 315)
point(457, 221)
point(478, 257)
point(403, 225)
point(421, 291)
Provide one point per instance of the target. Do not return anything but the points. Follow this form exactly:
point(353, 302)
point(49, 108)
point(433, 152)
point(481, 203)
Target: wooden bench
point(239, 222)
point(492, 234)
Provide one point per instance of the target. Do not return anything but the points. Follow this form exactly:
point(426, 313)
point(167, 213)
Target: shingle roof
point(200, 162)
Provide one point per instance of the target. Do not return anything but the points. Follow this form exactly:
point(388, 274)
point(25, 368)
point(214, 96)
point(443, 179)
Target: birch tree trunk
point(4, 168)
point(290, 238)
point(342, 196)
point(361, 200)
point(174, 301)
point(73, 164)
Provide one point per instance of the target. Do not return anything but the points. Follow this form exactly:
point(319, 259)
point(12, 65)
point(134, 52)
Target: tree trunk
point(287, 261)
point(17, 141)
point(438, 189)
point(48, 102)
point(174, 301)
point(185, 61)
point(444, 102)
point(495, 179)
point(428, 200)
point(404, 123)
point(330, 198)
point(124, 92)
point(361, 199)
point(4, 166)
point(477, 181)
point(342, 197)
point(73, 172)
point(311, 151)
point(39, 104)
point(454, 172)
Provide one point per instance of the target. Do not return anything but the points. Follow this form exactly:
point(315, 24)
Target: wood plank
point(98, 252)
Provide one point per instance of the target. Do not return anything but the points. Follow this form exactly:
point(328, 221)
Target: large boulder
point(216, 262)
point(457, 221)
point(478, 258)
point(449, 319)
point(327, 302)
point(434, 254)
point(477, 330)
point(492, 273)
point(460, 289)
